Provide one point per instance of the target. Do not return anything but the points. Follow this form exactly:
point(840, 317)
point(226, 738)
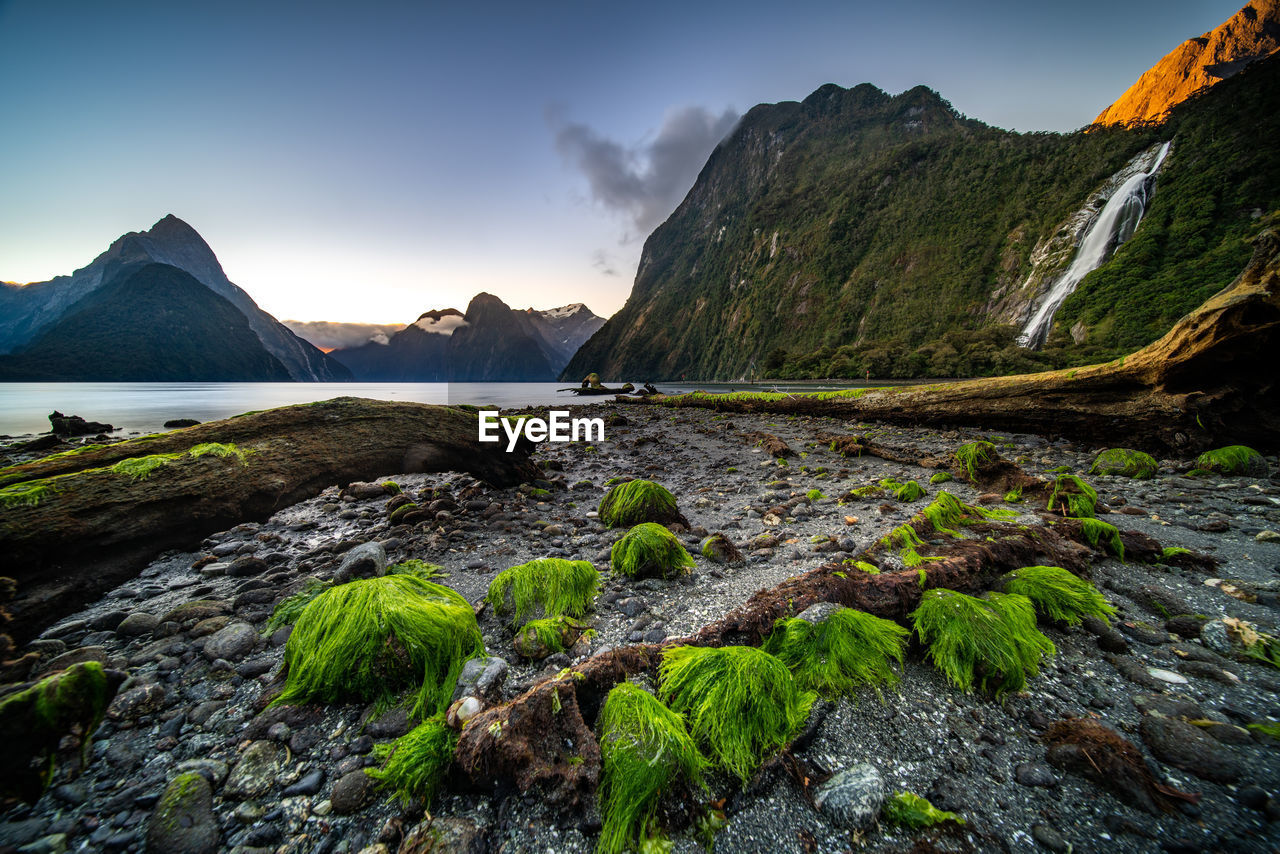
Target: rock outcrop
point(1200, 62)
point(74, 525)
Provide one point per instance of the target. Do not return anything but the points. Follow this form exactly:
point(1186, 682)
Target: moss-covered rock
point(33, 723)
point(973, 457)
point(414, 764)
point(539, 638)
point(989, 641)
point(183, 821)
point(1123, 461)
point(1072, 497)
point(376, 638)
point(718, 548)
point(836, 653)
point(650, 551)
point(741, 704)
point(1235, 460)
point(543, 588)
point(1058, 594)
point(646, 752)
point(636, 501)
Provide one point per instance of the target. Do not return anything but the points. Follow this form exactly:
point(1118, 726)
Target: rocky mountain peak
point(1198, 63)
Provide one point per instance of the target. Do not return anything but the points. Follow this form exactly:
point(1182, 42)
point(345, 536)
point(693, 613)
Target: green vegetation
point(973, 456)
point(1097, 532)
point(649, 550)
point(1123, 461)
point(140, 468)
point(905, 541)
point(1013, 496)
point(544, 588)
point(814, 495)
point(28, 494)
point(914, 812)
point(940, 477)
point(741, 703)
point(906, 492)
point(375, 638)
point(834, 656)
point(287, 611)
point(419, 569)
point(1233, 460)
point(537, 638)
point(637, 501)
point(217, 449)
point(1058, 594)
point(1073, 497)
point(414, 764)
point(991, 641)
point(645, 753)
point(1170, 551)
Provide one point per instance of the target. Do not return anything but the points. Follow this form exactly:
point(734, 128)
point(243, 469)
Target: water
point(1115, 224)
point(144, 407)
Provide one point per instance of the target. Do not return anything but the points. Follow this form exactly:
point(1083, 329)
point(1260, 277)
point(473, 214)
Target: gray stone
point(183, 821)
point(231, 642)
point(243, 567)
point(367, 560)
point(308, 785)
point(1050, 838)
point(1035, 774)
point(853, 797)
point(818, 612)
point(136, 702)
point(482, 677)
point(352, 793)
point(1185, 747)
point(1268, 536)
point(137, 624)
point(255, 773)
point(447, 835)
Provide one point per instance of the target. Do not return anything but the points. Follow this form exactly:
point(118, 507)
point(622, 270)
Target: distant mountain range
point(490, 342)
point(155, 306)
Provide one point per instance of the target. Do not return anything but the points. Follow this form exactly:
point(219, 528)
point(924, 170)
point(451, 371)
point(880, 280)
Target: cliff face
point(1251, 34)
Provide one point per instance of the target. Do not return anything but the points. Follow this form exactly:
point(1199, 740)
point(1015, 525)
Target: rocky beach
point(191, 757)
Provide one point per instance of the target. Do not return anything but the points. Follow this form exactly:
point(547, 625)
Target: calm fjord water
point(144, 407)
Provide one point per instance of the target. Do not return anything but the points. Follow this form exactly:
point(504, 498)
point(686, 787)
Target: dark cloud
point(644, 182)
point(603, 262)
point(328, 335)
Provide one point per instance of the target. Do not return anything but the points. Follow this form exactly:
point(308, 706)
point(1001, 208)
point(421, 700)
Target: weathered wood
point(95, 527)
point(1210, 381)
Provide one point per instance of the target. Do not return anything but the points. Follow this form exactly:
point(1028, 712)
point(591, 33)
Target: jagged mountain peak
point(1251, 34)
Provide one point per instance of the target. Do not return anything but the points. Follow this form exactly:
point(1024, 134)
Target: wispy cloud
point(328, 335)
point(644, 182)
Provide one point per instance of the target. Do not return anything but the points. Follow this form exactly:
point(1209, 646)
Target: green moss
point(1171, 551)
point(907, 492)
point(1073, 497)
point(1124, 461)
point(538, 638)
point(905, 541)
point(645, 752)
point(741, 703)
point(392, 487)
point(28, 494)
point(544, 588)
point(847, 649)
point(1013, 496)
point(868, 568)
point(1233, 460)
point(941, 477)
point(218, 449)
point(1270, 729)
point(375, 638)
point(991, 642)
point(34, 722)
point(397, 515)
point(946, 513)
point(1097, 532)
point(637, 501)
point(814, 495)
point(287, 611)
point(140, 468)
point(419, 569)
point(1058, 594)
point(414, 764)
point(972, 456)
point(912, 811)
point(649, 550)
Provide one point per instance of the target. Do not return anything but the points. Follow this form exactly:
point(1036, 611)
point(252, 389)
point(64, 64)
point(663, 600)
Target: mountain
point(491, 342)
point(1251, 34)
point(860, 232)
point(148, 323)
point(28, 310)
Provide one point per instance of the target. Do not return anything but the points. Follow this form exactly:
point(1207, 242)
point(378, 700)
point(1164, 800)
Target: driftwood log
point(92, 527)
point(1210, 381)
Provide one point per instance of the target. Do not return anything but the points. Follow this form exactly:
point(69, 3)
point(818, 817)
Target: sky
point(369, 162)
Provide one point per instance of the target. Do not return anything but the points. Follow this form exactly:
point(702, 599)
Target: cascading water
point(1114, 225)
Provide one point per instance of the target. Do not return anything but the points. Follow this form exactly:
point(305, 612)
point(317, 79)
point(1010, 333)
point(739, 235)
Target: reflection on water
point(144, 407)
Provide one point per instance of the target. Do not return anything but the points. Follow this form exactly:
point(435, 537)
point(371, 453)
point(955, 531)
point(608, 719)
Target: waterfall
point(1115, 224)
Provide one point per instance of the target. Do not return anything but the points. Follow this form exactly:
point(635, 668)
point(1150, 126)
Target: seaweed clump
point(1058, 594)
point(972, 457)
point(637, 501)
point(646, 752)
point(414, 765)
point(1103, 535)
point(544, 588)
point(910, 810)
point(1073, 497)
point(374, 638)
point(1233, 460)
point(649, 550)
point(539, 638)
point(991, 641)
point(1123, 461)
point(741, 704)
point(840, 652)
point(34, 722)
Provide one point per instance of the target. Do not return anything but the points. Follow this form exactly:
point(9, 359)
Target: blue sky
point(368, 163)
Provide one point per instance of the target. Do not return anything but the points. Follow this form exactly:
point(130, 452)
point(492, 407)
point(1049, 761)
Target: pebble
point(1035, 774)
point(853, 797)
point(1185, 747)
point(231, 642)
